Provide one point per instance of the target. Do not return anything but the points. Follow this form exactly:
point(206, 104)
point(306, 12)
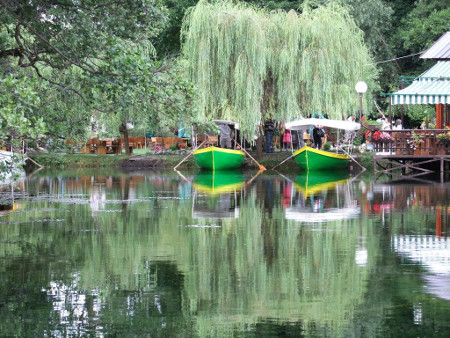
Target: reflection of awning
point(432, 87)
point(307, 216)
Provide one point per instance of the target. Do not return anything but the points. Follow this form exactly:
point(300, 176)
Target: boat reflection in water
point(323, 197)
point(217, 194)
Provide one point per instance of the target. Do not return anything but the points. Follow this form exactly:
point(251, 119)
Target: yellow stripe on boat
point(222, 150)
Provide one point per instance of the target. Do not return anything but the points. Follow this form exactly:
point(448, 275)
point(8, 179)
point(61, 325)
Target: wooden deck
point(402, 158)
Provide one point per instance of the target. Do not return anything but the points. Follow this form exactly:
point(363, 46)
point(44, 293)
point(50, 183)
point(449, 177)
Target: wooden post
point(438, 222)
point(439, 119)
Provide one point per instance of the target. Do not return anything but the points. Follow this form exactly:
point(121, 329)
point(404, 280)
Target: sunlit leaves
point(242, 58)
point(18, 102)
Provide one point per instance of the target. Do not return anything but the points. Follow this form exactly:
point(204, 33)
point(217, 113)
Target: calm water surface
point(232, 254)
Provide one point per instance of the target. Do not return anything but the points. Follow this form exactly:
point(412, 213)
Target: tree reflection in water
point(155, 254)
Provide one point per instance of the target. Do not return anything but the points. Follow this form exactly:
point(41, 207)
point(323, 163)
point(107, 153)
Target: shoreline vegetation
point(152, 161)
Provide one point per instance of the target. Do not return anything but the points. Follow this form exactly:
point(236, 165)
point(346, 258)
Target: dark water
point(234, 254)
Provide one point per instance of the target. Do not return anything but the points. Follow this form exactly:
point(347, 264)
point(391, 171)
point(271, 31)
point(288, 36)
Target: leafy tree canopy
point(91, 56)
point(64, 33)
point(246, 61)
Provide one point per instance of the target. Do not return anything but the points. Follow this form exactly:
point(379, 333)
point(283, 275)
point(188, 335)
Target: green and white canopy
point(432, 87)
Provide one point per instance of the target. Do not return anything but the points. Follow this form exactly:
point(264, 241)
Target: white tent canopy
point(337, 124)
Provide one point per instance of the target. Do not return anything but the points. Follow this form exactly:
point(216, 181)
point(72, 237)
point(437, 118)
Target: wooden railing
point(403, 143)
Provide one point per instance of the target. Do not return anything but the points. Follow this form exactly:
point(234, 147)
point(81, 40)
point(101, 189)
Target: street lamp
point(361, 88)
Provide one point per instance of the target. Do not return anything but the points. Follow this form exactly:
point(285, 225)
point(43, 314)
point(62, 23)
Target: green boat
point(213, 158)
point(314, 159)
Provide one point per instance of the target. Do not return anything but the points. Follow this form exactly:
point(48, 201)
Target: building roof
point(432, 87)
point(439, 50)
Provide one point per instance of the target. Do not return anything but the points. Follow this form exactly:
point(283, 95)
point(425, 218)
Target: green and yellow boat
point(314, 159)
point(213, 158)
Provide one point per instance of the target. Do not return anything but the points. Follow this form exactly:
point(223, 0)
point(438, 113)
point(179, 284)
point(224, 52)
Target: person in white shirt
point(386, 123)
point(398, 125)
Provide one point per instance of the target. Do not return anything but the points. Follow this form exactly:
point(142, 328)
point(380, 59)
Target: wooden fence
point(412, 142)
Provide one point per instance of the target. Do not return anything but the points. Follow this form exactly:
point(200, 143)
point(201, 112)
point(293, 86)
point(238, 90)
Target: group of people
point(386, 123)
point(317, 133)
point(287, 137)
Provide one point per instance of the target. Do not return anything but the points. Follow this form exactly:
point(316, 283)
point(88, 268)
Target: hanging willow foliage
point(247, 62)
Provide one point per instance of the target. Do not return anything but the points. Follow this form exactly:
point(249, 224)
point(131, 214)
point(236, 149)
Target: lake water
point(104, 253)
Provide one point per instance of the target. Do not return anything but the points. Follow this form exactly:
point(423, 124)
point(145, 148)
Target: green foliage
point(366, 160)
point(426, 22)
point(98, 60)
point(59, 160)
point(168, 41)
point(357, 140)
point(244, 59)
point(61, 34)
point(418, 25)
point(414, 114)
point(327, 146)
point(18, 105)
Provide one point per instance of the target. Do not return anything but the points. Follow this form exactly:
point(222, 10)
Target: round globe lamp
point(361, 88)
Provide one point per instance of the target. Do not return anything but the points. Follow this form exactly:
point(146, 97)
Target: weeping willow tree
point(248, 62)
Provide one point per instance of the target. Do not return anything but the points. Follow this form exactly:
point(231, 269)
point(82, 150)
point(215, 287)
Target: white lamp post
point(361, 88)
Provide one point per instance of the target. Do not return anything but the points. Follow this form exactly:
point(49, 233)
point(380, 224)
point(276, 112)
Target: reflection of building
point(433, 253)
point(430, 251)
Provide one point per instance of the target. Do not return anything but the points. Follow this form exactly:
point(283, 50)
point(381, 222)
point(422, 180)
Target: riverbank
point(152, 161)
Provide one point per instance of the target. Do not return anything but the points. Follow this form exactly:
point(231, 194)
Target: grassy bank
point(164, 161)
point(63, 161)
point(54, 160)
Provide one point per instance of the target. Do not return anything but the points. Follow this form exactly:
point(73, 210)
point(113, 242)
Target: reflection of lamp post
point(361, 88)
point(361, 251)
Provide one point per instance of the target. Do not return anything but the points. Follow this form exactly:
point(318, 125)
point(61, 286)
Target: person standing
point(318, 133)
point(225, 139)
point(269, 128)
point(287, 139)
point(398, 125)
point(350, 134)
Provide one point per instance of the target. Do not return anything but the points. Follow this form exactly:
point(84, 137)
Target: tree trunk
point(123, 129)
point(259, 146)
point(267, 87)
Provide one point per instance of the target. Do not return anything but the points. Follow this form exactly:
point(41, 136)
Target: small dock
point(411, 153)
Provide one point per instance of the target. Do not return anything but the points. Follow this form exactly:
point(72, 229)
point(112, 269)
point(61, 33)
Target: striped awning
point(432, 87)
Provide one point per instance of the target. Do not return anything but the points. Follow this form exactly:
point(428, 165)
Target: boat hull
point(213, 158)
point(309, 158)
